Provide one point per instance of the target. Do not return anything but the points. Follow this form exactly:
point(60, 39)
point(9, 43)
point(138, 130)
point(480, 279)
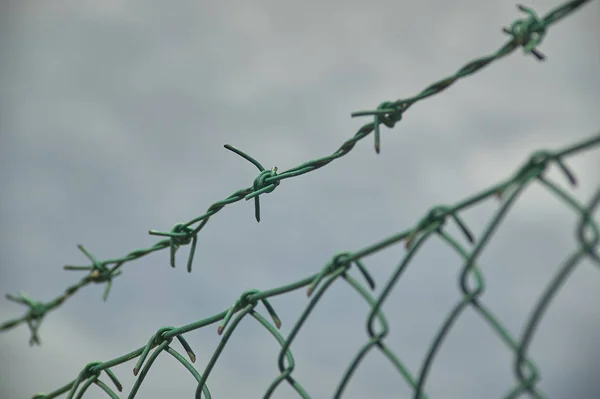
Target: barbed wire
point(527, 33)
point(471, 284)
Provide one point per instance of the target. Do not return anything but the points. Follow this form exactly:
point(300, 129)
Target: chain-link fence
point(526, 33)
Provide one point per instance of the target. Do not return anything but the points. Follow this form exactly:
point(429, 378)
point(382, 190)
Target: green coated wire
point(430, 225)
point(527, 33)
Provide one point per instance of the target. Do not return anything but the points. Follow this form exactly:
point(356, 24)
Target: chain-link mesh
point(526, 33)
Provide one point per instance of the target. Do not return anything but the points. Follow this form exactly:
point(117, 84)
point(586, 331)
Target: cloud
point(117, 113)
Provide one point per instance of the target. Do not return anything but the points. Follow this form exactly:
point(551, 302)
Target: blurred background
point(113, 119)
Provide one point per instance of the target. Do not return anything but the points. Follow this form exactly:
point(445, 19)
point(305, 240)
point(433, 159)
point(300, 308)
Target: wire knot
point(387, 113)
point(538, 162)
point(100, 273)
point(247, 298)
point(90, 370)
point(338, 261)
point(588, 233)
point(528, 32)
point(33, 317)
point(535, 167)
point(90, 373)
point(159, 337)
point(391, 113)
point(342, 261)
point(435, 220)
point(37, 310)
point(250, 299)
point(261, 185)
point(181, 234)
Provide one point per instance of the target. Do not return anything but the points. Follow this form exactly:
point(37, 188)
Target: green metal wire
point(471, 284)
point(527, 33)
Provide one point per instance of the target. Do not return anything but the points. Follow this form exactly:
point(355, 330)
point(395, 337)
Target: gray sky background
point(114, 116)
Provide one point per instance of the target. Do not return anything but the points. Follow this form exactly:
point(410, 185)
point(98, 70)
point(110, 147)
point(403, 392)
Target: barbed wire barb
point(259, 185)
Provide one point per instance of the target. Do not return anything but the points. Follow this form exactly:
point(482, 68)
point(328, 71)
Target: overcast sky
point(114, 117)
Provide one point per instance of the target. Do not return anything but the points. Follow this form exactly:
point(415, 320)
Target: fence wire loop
point(590, 241)
point(90, 374)
point(534, 168)
point(539, 162)
point(435, 220)
point(162, 341)
point(529, 32)
point(247, 298)
point(341, 260)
